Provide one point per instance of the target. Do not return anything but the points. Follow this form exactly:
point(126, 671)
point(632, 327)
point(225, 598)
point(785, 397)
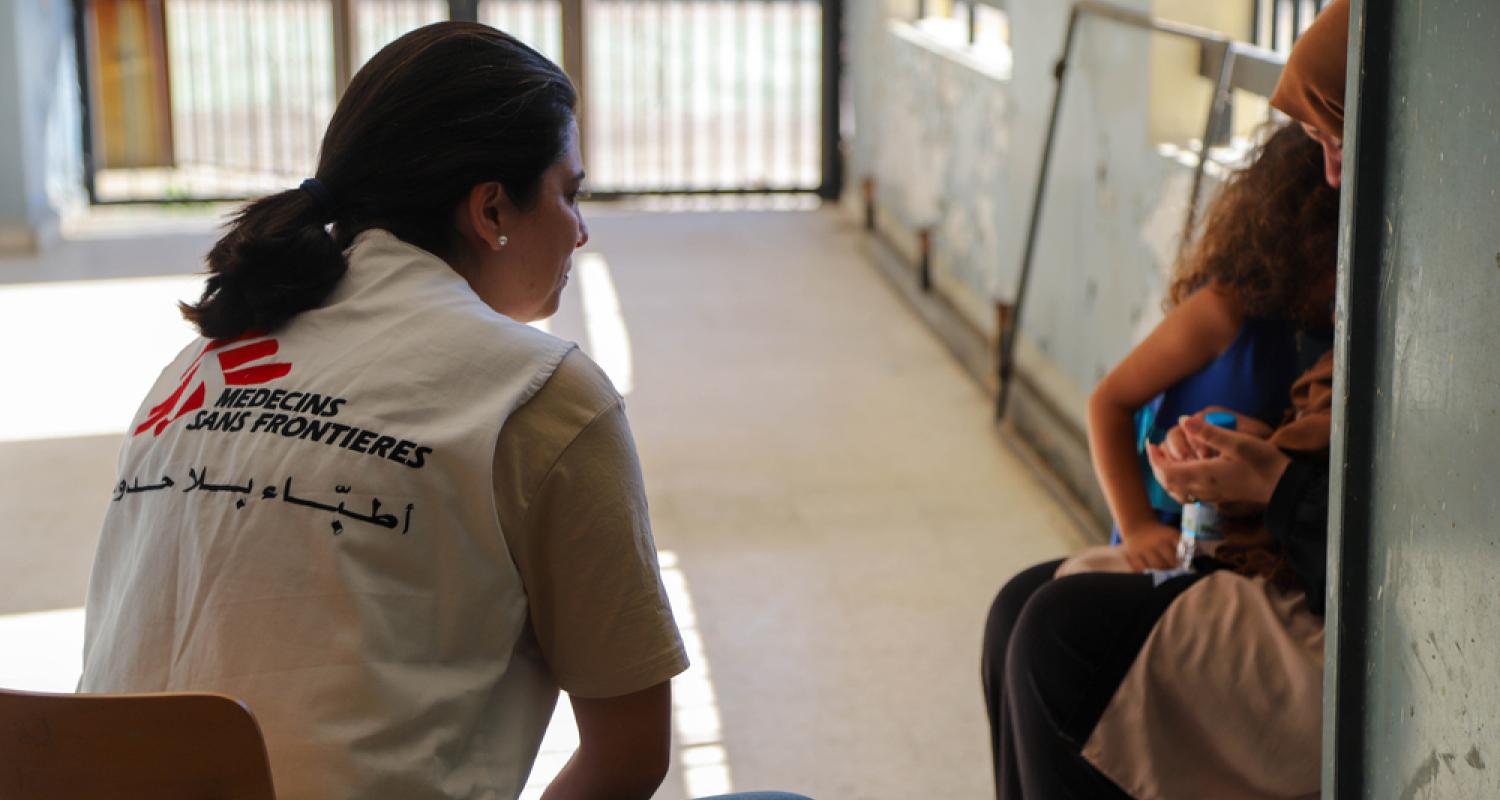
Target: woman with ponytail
point(373, 504)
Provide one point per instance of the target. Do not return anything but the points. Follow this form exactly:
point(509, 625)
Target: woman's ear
point(485, 215)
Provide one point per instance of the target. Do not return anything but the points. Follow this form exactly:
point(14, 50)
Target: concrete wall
point(1177, 101)
point(954, 147)
point(940, 161)
point(1112, 205)
point(41, 169)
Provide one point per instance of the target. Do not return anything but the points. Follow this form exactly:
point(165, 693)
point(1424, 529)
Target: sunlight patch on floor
point(80, 355)
point(695, 711)
point(557, 747)
point(43, 650)
point(609, 341)
point(695, 704)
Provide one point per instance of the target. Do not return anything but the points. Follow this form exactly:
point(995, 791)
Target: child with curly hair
point(1259, 278)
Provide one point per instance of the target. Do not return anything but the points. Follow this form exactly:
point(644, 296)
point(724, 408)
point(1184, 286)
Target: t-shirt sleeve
point(582, 543)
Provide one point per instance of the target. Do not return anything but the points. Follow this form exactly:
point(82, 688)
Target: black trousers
point(1055, 651)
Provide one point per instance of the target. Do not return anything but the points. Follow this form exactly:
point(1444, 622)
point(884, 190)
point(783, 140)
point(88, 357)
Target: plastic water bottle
point(1201, 531)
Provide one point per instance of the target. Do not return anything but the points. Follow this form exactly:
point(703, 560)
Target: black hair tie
point(322, 198)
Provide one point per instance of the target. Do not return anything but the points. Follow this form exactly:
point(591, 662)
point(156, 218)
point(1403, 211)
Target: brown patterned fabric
point(1311, 88)
point(1249, 549)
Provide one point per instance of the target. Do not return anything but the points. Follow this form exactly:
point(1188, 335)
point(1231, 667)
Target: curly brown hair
point(1270, 237)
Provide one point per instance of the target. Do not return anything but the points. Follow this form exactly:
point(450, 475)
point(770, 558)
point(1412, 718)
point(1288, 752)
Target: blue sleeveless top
point(1253, 376)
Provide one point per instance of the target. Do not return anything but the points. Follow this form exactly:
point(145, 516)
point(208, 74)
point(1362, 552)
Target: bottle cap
point(1223, 419)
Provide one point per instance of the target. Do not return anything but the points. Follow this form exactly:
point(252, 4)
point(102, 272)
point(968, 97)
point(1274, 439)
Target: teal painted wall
point(1413, 699)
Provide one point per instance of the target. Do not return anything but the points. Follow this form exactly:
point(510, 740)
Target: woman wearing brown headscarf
point(1108, 685)
point(1311, 89)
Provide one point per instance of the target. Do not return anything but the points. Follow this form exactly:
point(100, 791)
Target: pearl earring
point(503, 240)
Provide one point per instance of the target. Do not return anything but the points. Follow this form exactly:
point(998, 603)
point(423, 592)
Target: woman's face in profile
point(524, 279)
point(1333, 154)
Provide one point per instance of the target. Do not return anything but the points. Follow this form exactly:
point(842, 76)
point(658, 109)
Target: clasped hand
point(1234, 471)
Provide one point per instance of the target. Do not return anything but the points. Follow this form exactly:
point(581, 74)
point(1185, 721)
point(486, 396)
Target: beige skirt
point(1224, 701)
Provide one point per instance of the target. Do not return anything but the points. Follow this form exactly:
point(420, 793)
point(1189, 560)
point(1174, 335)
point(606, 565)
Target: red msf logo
point(236, 362)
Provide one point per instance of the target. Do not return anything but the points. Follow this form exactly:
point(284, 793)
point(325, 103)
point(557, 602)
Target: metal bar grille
point(1278, 23)
point(679, 96)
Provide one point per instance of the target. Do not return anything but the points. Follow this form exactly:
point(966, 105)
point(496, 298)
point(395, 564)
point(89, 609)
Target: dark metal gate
point(227, 99)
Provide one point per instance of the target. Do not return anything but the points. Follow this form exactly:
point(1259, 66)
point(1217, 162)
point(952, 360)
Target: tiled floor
point(833, 505)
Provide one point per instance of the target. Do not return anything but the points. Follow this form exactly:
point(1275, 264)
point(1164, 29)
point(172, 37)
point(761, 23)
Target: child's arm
point(1191, 335)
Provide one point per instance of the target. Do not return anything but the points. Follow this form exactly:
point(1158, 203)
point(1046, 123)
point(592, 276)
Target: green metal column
point(1413, 684)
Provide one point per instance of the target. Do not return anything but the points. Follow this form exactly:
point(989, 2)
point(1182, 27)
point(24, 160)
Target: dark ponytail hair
point(434, 113)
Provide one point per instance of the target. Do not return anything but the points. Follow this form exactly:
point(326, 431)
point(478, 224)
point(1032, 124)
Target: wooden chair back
point(182, 746)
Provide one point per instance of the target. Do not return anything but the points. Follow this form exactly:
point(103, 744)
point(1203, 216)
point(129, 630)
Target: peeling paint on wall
point(939, 160)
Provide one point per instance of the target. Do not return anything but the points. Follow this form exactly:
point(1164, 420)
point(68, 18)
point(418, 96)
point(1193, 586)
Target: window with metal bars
point(228, 99)
point(1278, 23)
point(980, 24)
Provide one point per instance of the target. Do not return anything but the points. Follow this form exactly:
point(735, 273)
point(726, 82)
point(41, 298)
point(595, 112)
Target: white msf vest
point(306, 521)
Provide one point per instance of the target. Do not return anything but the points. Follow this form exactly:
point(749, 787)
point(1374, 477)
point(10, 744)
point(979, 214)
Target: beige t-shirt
point(572, 503)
